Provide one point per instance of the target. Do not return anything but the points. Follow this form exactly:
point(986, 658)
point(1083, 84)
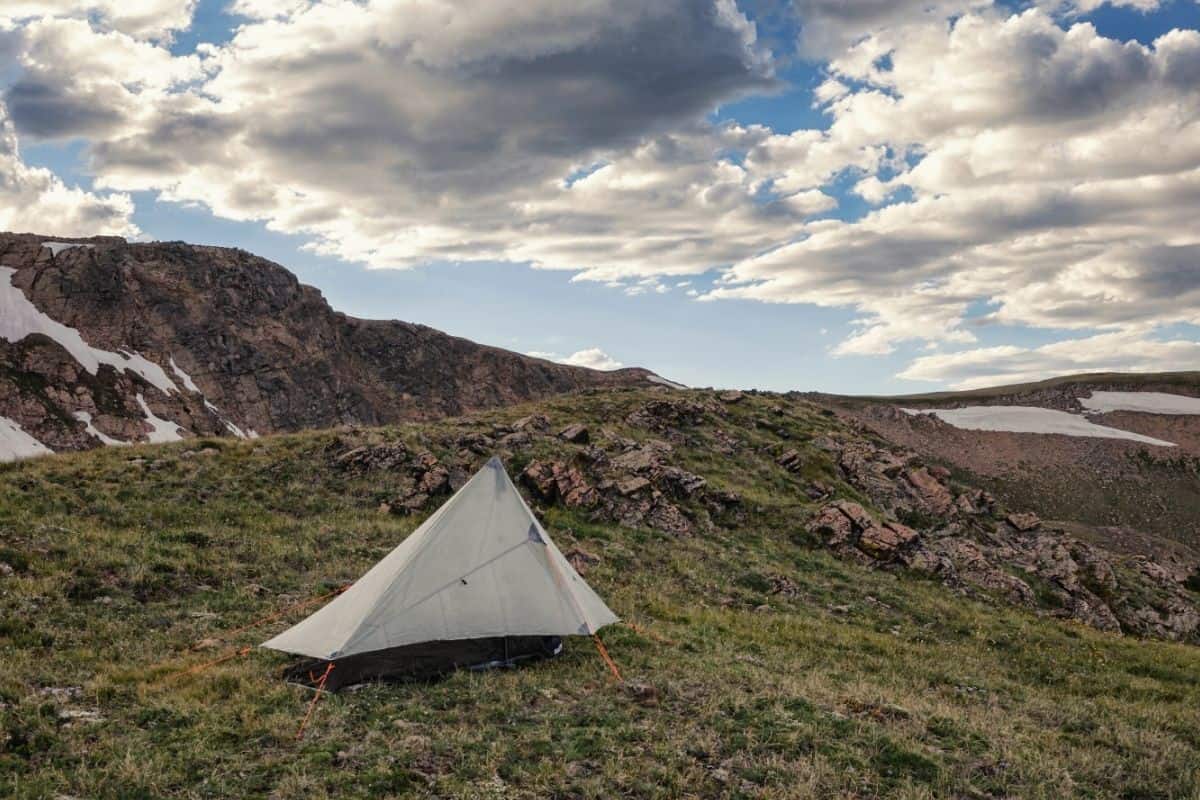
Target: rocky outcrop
point(1015, 557)
point(634, 469)
point(216, 341)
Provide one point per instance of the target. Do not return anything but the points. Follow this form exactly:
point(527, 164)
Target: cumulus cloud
point(146, 19)
point(35, 200)
point(1054, 176)
point(397, 133)
point(828, 26)
point(1126, 351)
point(592, 358)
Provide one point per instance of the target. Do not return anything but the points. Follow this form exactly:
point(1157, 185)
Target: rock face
point(967, 543)
point(216, 341)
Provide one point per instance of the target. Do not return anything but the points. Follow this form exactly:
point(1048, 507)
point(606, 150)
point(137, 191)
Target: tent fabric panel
point(481, 566)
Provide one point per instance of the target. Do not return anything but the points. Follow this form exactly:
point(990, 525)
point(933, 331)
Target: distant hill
point(103, 340)
point(1077, 447)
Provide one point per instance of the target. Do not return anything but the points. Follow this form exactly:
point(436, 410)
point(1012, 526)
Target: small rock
point(791, 460)
point(1024, 522)
point(576, 433)
point(581, 559)
point(733, 396)
point(632, 485)
point(534, 422)
point(642, 693)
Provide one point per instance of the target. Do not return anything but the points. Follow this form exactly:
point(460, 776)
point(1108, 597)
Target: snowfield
point(1027, 419)
point(1148, 402)
point(20, 318)
point(16, 443)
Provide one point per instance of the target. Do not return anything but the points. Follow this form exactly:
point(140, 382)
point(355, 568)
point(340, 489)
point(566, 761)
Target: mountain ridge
point(219, 341)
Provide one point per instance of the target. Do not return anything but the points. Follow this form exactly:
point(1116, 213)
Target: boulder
point(1024, 522)
point(791, 460)
point(930, 493)
point(534, 422)
point(883, 542)
point(576, 433)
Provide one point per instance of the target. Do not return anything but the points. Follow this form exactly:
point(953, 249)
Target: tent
point(478, 583)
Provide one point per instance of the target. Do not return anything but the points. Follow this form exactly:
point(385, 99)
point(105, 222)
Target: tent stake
point(313, 704)
point(612, 665)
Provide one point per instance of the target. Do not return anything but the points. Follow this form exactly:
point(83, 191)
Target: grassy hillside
point(767, 668)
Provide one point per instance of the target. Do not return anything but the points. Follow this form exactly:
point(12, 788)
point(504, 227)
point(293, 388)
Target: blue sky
point(790, 320)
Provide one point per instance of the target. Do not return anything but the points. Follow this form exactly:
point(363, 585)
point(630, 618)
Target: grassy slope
point(862, 684)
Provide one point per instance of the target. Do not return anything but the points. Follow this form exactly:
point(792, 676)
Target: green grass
point(861, 684)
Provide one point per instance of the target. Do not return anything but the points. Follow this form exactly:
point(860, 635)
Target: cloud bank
point(1018, 169)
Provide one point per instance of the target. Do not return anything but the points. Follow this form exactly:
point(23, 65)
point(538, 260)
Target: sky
point(858, 196)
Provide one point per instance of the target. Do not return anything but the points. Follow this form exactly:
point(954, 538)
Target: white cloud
point(1127, 351)
point(592, 358)
point(144, 19)
point(1035, 187)
point(33, 199)
point(828, 26)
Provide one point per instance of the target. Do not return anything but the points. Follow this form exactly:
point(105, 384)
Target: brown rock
point(1024, 522)
point(932, 495)
point(632, 485)
point(883, 541)
point(576, 433)
point(791, 460)
point(581, 559)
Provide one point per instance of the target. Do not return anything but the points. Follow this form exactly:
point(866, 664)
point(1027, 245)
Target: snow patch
point(188, 383)
point(20, 318)
point(104, 438)
point(16, 443)
point(164, 429)
point(1027, 419)
point(1147, 402)
point(665, 382)
point(57, 247)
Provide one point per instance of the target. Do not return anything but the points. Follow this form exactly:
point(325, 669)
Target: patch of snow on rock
point(57, 247)
point(1027, 419)
point(16, 443)
point(20, 318)
point(104, 438)
point(1147, 402)
point(164, 430)
point(188, 383)
point(665, 382)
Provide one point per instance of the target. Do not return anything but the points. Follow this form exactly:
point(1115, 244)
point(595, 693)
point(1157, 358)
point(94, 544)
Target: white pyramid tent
point(480, 567)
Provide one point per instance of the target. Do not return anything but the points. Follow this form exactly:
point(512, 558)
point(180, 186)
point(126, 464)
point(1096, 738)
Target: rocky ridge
point(110, 341)
point(851, 494)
